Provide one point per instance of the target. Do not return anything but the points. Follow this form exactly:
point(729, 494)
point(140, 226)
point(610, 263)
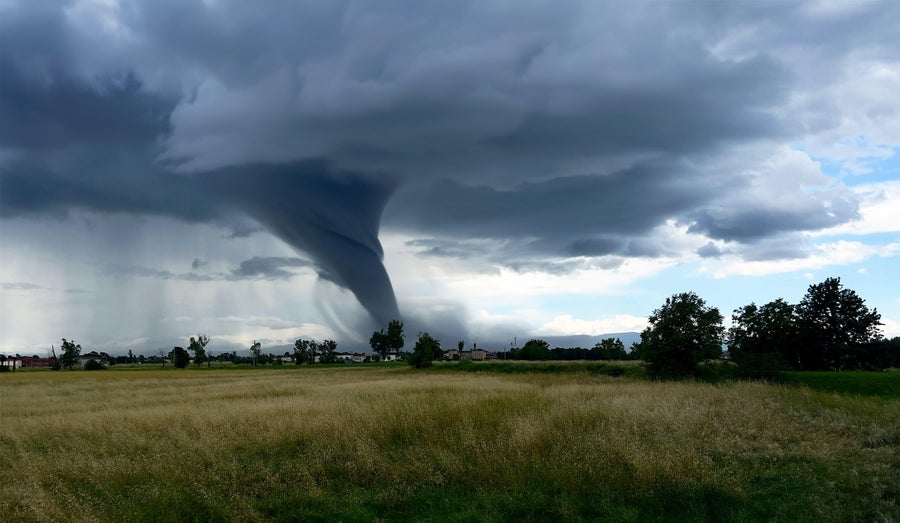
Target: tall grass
point(393, 443)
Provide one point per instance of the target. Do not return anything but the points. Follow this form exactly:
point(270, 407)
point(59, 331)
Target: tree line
point(831, 328)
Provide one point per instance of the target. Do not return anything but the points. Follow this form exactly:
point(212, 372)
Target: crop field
point(392, 443)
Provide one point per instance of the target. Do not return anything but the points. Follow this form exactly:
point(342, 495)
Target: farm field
point(392, 443)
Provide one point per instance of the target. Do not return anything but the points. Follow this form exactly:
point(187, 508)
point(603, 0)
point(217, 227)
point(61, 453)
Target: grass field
point(392, 443)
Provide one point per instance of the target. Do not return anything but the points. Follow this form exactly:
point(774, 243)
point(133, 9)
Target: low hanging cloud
point(269, 268)
point(258, 267)
point(552, 131)
point(19, 286)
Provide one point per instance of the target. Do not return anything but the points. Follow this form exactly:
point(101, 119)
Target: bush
point(94, 365)
point(615, 371)
point(426, 351)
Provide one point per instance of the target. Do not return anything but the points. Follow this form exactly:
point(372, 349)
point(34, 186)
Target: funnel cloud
point(331, 215)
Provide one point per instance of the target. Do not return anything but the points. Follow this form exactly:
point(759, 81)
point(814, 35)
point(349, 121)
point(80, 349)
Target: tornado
point(332, 215)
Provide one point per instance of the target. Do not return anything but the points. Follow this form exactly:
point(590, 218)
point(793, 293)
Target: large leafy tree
point(764, 339)
point(395, 335)
point(383, 343)
point(327, 350)
point(379, 343)
point(301, 351)
point(196, 345)
point(427, 350)
point(70, 352)
point(609, 349)
point(255, 349)
point(834, 323)
point(533, 350)
point(180, 357)
point(682, 333)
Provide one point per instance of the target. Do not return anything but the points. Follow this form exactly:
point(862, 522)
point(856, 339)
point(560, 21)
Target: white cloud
point(824, 255)
point(567, 324)
point(282, 336)
point(879, 211)
point(891, 328)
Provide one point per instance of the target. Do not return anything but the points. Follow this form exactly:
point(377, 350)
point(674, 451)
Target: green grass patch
point(884, 384)
point(480, 441)
point(629, 369)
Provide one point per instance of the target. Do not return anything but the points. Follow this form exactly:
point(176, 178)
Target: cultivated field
point(367, 443)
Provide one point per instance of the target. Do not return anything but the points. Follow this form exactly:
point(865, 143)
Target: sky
point(484, 170)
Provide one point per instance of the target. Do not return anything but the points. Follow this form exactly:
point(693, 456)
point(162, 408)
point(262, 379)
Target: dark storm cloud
point(66, 114)
point(554, 130)
point(567, 216)
point(443, 248)
point(748, 224)
point(34, 187)
point(242, 230)
point(269, 268)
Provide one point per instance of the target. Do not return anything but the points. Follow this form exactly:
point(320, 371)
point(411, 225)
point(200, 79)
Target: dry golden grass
point(366, 443)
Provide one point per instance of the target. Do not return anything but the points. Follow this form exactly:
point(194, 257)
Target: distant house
point(18, 362)
point(347, 357)
point(474, 355)
point(36, 361)
point(101, 358)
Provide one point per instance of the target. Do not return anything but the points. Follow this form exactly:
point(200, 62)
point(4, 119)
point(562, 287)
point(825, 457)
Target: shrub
point(94, 365)
point(427, 350)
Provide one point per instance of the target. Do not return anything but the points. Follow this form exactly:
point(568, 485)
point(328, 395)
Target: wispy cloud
point(20, 286)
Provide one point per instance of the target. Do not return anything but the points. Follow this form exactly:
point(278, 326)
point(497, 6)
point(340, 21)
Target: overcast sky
point(484, 170)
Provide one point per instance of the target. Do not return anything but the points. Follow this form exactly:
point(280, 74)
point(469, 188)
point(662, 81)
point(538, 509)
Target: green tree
point(314, 351)
point(379, 343)
point(57, 364)
point(94, 365)
point(427, 350)
point(682, 333)
point(764, 339)
point(834, 323)
point(328, 349)
point(395, 335)
point(180, 357)
point(255, 349)
point(878, 355)
point(383, 343)
point(196, 345)
point(301, 351)
point(610, 349)
point(534, 350)
point(70, 352)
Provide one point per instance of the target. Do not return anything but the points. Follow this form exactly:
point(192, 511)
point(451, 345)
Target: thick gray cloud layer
point(563, 130)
